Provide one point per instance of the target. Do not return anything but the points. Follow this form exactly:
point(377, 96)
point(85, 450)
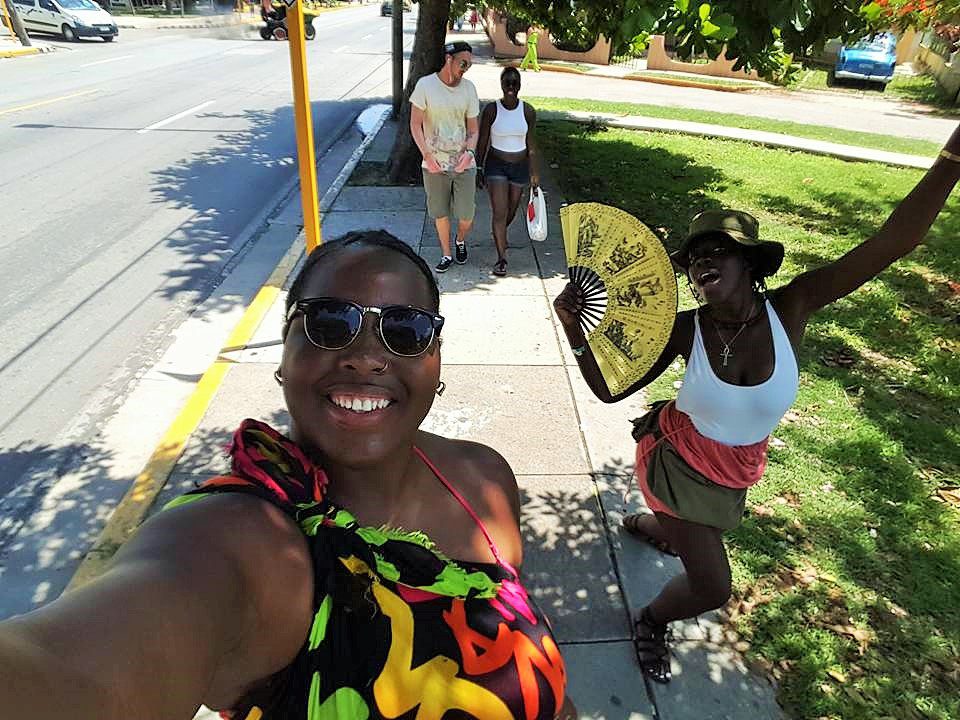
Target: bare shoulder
point(681, 339)
point(484, 478)
point(529, 112)
point(789, 303)
point(472, 461)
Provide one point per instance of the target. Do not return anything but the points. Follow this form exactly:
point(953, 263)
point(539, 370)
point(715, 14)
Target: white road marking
point(342, 48)
point(174, 118)
point(110, 60)
point(262, 50)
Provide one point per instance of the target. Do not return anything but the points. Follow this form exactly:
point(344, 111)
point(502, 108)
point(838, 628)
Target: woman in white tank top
point(697, 455)
point(507, 158)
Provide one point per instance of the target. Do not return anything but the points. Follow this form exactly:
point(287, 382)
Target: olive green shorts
point(451, 194)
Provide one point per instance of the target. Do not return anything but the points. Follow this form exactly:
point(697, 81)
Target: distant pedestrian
point(459, 23)
point(530, 59)
point(474, 19)
point(444, 122)
point(508, 158)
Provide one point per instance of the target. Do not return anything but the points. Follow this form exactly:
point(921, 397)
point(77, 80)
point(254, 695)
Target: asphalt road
point(128, 173)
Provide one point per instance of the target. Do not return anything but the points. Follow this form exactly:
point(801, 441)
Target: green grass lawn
point(847, 567)
point(815, 132)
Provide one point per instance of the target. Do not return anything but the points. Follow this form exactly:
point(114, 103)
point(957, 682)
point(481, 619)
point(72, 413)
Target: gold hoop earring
point(441, 387)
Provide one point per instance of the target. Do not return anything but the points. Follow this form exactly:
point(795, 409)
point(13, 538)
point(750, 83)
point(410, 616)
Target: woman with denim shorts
point(509, 158)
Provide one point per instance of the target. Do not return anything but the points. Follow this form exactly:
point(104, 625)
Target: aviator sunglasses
point(332, 324)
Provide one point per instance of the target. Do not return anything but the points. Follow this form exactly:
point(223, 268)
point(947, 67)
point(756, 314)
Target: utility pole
point(303, 119)
point(18, 29)
point(396, 15)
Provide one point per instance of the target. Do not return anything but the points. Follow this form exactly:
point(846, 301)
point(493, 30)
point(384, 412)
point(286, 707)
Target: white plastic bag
point(537, 215)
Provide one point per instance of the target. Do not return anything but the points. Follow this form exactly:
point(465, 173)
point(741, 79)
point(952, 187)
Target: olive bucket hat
point(741, 227)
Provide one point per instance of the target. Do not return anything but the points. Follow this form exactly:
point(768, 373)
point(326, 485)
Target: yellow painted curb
point(17, 52)
point(138, 500)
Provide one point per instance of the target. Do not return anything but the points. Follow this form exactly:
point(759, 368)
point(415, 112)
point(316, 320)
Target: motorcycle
point(275, 26)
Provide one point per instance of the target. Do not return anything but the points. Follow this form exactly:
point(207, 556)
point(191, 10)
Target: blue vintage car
point(871, 59)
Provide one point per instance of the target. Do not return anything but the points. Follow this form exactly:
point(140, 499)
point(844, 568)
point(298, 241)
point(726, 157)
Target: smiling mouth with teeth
point(708, 277)
point(360, 404)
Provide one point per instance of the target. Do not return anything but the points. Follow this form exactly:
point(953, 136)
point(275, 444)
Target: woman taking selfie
point(359, 568)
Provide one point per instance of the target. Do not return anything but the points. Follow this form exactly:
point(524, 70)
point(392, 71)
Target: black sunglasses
point(332, 324)
point(709, 251)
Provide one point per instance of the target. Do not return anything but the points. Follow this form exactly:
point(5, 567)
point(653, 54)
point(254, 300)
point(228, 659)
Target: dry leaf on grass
point(838, 358)
point(950, 495)
point(861, 635)
point(837, 675)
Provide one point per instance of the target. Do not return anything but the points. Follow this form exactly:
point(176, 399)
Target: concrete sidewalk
point(513, 384)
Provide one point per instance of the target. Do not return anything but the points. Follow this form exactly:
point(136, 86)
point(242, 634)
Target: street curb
point(333, 192)
point(136, 503)
point(678, 82)
point(23, 51)
point(776, 140)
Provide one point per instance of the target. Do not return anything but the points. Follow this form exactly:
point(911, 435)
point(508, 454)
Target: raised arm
point(188, 614)
point(903, 231)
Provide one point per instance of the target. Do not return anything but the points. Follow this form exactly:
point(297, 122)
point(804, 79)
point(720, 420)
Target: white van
point(72, 19)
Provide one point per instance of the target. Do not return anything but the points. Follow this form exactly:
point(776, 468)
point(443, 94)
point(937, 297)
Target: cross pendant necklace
point(726, 354)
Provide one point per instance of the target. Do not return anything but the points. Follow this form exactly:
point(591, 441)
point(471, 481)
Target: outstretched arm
point(903, 231)
point(184, 616)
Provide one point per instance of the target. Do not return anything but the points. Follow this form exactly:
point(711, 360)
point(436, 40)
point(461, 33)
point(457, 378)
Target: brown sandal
point(651, 642)
point(631, 523)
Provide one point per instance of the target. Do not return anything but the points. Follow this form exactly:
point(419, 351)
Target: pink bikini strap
point(466, 506)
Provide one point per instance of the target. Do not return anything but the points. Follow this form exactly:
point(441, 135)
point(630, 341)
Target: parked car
point(386, 7)
point(71, 19)
point(872, 59)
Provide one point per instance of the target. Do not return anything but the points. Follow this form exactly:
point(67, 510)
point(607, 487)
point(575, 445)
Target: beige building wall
point(599, 54)
point(657, 59)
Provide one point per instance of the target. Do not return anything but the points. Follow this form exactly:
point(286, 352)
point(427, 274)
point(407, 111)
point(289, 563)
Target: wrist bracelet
point(471, 151)
point(952, 157)
point(579, 351)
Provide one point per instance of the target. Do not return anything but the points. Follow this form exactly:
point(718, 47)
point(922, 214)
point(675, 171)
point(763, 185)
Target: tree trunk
point(426, 57)
point(17, 23)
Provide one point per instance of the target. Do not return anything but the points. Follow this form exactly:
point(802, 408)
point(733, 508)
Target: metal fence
point(629, 63)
